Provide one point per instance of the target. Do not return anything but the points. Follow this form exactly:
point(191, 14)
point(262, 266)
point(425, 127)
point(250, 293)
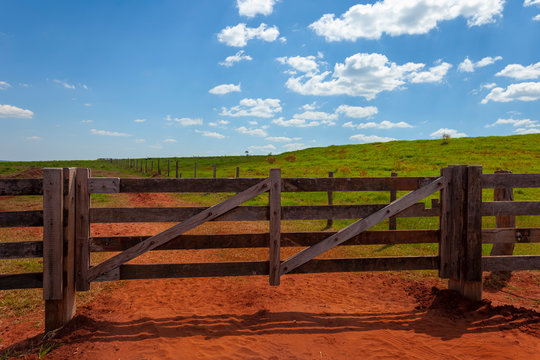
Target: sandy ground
point(314, 316)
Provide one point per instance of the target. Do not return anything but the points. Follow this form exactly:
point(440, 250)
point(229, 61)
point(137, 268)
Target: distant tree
point(247, 152)
point(445, 137)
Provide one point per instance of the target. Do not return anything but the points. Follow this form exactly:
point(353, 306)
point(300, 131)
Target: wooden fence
point(67, 216)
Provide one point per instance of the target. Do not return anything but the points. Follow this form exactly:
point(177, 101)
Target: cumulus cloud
point(311, 106)
point(4, 85)
point(531, 2)
point(233, 59)
point(224, 89)
point(397, 17)
point(305, 64)
point(264, 108)
point(444, 131)
point(10, 111)
point(526, 91)
point(382, 125)
point(107, 133)
point(361, 138)
point(139, 120)
point(470, 66)
point(251, 8)
point(252, 132)
point(295, 122)
point(316, 115)
point(515, 123)
point(365, 75)
point(184, 121)
point(211, 134)
point(357, 112)
point(536, 18)
point(240, 34)
point(525, 131)
point(219, 123)
point(261, 148)
point(520, 72)
point(65, 84)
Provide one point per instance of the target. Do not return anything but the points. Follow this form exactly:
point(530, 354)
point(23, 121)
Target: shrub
point(290, 158)
point(271, 159)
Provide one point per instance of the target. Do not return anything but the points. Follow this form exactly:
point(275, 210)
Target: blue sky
point(89, 79)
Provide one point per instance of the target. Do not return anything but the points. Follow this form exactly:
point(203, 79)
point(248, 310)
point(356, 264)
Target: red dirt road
point(315, 316)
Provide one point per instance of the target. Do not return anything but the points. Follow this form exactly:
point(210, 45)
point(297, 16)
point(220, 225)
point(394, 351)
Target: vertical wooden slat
point(214, 171)
point(275, 225)
point(195, 170)
point(69, 244)
point(52, 233)
point(503, 194)
point(82, 229)
point(177, 169)
point(393, 196)
point(471, 265)
point(237, 172)
point(330, 222)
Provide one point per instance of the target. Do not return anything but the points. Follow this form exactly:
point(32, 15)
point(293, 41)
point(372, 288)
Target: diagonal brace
point(171, 233)
point(356, 228)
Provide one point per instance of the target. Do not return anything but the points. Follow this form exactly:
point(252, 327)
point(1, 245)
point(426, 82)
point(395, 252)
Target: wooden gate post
point(275, 225)
point(330, 222)
point(393, 196)
point(460, 246)
point(82, 229)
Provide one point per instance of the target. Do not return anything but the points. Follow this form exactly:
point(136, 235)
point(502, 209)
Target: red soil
point(315, 316)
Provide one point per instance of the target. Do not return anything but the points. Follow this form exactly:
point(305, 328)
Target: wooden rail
point(67, 217)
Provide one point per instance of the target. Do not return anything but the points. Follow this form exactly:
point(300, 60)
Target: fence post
point(177, 169)
point(393, 196)
point(330, 222)
point(237, 172)
point(195, 170)
point(53, 219)
point(214, 171)
point(82, 229)
point(69, 305)
point(275, 225)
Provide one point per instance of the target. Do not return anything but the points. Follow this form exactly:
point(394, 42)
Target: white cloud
point(88, 105)
point(233, 59)
point(211, 134)
point(294, 146)
point(4, 85)
point(65, 84)
point(531, 2)
point(306, 64)
point(32, 138)
point(140, 141)
point(520, 72)
point(251, 8)
point(382, 125)
point(311, 106)
point(469, 66)
point(264, 108)
point(139, 120)
point(295, 122)
point(9, 111)
point(444, 131)
point(261, 148)
point(185, 121)
point(536, 18)
point(398, 17)
point(240, 34)
point(365, 75)
point(526, 91)
point(281, 139)
point(316, 115)
point(87, 121)
point(357, 112)
point(219, 123)
point(169, 140)
point(108, 133)
point(514, 122)
point(525, 131)
point(224, 89)
point(361, 138)
point(252, 132)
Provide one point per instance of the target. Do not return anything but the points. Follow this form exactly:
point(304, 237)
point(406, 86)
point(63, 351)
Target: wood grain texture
point(274, 200)
point(511, 262)
point(68, 299)
point(53, 220)
point(503, 194)
point(171, 233)
point(104, 185)
point(21, 281)
point(260, 240)
point(509, 180)
point(30, 218)
point(21, 187)
point(508, 208)
point(362, 225)
point(510, 235)
point(82, 229)
point(21, 250)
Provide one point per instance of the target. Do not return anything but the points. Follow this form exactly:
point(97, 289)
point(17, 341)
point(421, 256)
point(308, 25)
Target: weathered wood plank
point(362, 225)
point(171, 233)
point(21, 187)
point(260, 240)
point(510, 235)
point(21, 250)
point(82, 229)
point(160, 271)
point(508, 180)
point(104, 185)
point(21, 218)
point(511, 262)
point(68, 301)
point(250, 213)
point(503, 194)
point(505, 208)
point(393, 196)
point(288, 184)
point(53, 220)
point(274, 201)
point(21, 281)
